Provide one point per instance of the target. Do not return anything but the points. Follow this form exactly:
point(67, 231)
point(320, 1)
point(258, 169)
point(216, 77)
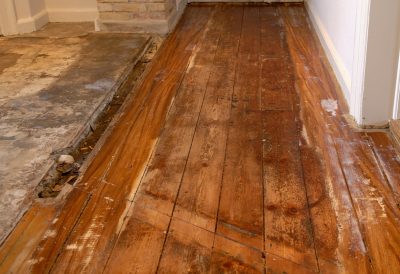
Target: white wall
point(381, 62)
point(24, 16)
point(335, 22)
point(361, 39)
point(28, 15)
point(71, 10)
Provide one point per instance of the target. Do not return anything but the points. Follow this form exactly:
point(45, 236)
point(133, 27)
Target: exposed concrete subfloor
point(53, 85)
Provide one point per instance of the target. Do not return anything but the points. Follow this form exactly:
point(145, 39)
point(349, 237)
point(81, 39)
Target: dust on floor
point(53, 85)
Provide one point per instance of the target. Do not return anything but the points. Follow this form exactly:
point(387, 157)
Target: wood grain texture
point(386, 153)
point(240, 215)
point(226, 159)
point(288, 231)
point(96, 233)
point(198, 198)
point(361, 182)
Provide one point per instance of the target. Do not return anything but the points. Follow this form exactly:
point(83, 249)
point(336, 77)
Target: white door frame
point(396, 105)
point(8, 17)
point(375, 69)
point(360, 60)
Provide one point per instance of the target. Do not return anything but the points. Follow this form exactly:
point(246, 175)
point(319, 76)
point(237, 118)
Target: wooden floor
point(233, 156)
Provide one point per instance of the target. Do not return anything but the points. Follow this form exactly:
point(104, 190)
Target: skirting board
point(72, 15)
point(343, 76)
point(245, 1)
point(26, 25)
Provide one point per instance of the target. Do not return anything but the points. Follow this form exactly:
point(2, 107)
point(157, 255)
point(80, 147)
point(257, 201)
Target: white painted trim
point(396, 104)
point(26, 25)
point(244, 1)
point(360, 60)
point(72, 15)
point(342, 74)
point(8, 17)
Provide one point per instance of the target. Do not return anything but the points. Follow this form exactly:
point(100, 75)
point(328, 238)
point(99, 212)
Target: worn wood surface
point(226, 159)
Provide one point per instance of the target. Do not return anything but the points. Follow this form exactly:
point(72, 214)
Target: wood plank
point(16, 252)
point(275, 264)
point(232, 257)
point(385, 150)
point(96, 232)
point(160, 185)
point(376, 208)
point(326, 227)
point(240, 215)
point(288, 231)
point(187, 249)
point(198, 197)
point(340, 147)
point(277, 87)
point(272, 33)
point(394, 126)
point(140, 242)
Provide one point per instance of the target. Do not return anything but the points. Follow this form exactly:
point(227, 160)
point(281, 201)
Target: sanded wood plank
point(140, 242)
point(240, 214)
point(288, 231)
point(161, 182)
point(277, 87)
point(187, 249)
point(160, 185)
point(95, 233)
point(59, 227)
point(16, 252)
point(394, 126)
point(198, 197)
point(376, 208)
point(388, 157)
point(272, 34)
point(275, 264)
point(232, 257)
point(317, 84)
point(323, 218)
point(277, 79)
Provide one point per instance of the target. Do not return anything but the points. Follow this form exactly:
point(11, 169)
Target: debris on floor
point(54, 84)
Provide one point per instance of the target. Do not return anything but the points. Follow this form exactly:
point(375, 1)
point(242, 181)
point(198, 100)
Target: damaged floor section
point(232, 156)
point(53, 85)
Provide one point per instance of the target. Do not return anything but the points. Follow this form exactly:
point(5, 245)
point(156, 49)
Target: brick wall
point(154, 16)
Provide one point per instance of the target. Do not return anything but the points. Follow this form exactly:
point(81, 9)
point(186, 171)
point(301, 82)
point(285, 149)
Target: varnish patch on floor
point(232, 156)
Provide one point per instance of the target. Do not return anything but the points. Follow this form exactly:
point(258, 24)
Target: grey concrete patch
point(51, 89)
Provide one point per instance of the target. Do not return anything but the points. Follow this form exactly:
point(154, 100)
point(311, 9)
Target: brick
point(129, 7)
point(147, 1)
point(116, 15)
point(104, 7)
point(112, 1)
point(155, 7)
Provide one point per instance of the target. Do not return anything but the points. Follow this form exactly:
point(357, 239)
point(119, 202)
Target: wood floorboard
point(240, 214)
point(387, 154)
point(226, 160)
point(362, 178)
point(198, 197)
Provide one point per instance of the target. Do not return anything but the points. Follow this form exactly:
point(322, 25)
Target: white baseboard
point(244, 1)
point(26, 25)
point(72, 15)
point(342, 74)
